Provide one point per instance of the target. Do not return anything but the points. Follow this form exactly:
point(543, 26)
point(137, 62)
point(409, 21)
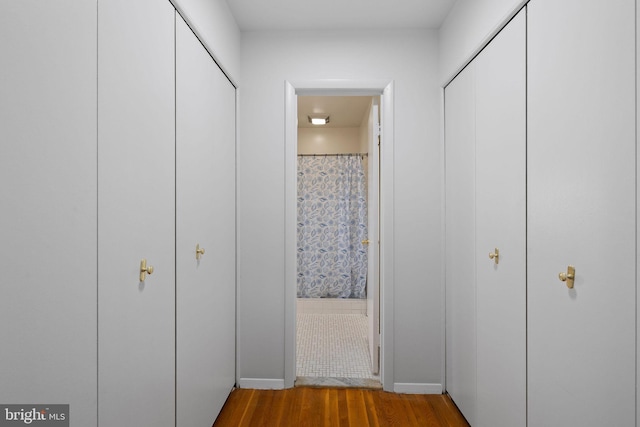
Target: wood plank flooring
point(332, 407)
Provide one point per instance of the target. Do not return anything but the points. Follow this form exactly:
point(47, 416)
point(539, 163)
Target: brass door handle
point(144, 270)
point(569, 276)
point(366, 242)
point(495, 255)
point(199, 251)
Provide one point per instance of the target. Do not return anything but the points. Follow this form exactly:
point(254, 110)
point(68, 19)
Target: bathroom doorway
point(337, 304)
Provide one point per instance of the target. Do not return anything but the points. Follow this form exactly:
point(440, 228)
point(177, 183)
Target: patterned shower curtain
point(332, 223)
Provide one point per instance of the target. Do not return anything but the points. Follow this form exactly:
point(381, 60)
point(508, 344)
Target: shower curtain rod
point(334, 155)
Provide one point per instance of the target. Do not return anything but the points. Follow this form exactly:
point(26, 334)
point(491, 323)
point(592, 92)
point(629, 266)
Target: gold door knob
point(365, 242)
point(144, 270)
point(569, 276)
point(199, 251)
point(495, 255)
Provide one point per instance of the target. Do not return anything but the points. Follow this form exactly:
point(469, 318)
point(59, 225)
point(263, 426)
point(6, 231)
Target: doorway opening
point(384, 89)
point(337, 283)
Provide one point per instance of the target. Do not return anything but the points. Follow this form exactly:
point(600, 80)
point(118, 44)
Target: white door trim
point(384, 88)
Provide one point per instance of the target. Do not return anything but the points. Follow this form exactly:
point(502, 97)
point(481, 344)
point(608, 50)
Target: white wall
point(409, 57)
point(466, 26)
point(365, 127)
point(329, 140)
point(364, 138)
point(217, 29)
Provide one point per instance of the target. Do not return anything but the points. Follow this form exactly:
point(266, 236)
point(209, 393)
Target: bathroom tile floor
point(333, 346)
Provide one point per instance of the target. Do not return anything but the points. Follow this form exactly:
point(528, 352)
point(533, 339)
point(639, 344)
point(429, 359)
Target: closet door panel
point(581, 212)
point(501, 224)
point(205, 209)
point(637, 221)
point(460, 241)
point(48, 205)
point(136, 207)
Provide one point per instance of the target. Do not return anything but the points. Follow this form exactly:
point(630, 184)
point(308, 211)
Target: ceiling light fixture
point(318, 120)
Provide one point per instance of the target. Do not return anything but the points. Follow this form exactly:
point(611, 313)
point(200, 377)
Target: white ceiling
point(265, 15)
point(344, 111)
point(258, 15)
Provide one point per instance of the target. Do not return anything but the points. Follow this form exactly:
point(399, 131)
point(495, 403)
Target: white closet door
point(460, 242)
point(581, 212)
point(637, 221)
point(136, 213)
point(205, 209)
point(48, 205)
point(501, 224)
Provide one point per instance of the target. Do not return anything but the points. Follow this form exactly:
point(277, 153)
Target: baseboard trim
point(417, 388)
point(261, 383)
point(404, 388)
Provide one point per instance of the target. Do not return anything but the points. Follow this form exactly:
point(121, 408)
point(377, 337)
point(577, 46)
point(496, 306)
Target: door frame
point(384, 89)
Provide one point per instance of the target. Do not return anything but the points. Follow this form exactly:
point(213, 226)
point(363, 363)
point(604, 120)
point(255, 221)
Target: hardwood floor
point(331, 407)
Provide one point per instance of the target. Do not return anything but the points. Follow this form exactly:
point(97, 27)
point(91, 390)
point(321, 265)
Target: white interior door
point(136, 220)
point(48, 213)
point(500, 71)
point(373, 254)
point(460, 242)
point(581, 212)
point(205, 216)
